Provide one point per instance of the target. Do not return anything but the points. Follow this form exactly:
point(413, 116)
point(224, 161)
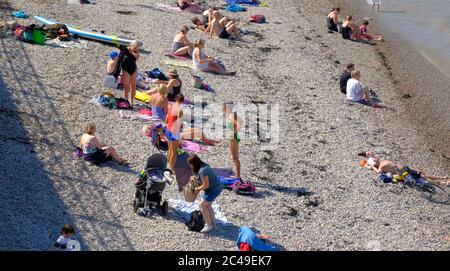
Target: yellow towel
point(142, 96)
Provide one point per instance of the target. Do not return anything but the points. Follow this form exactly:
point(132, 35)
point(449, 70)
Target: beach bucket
point(197, 80)
point(39, 36)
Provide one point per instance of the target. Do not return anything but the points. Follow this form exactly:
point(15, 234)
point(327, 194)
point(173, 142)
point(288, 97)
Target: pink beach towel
point(193, 147)
point(169, 7)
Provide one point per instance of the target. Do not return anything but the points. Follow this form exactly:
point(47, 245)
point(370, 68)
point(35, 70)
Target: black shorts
point(97, 157)
point(224, 34)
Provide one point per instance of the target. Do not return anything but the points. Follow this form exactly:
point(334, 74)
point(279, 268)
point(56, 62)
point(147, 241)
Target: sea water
point(424, 23)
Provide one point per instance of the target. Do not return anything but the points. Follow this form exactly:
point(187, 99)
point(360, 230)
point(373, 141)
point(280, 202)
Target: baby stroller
point(151, 184)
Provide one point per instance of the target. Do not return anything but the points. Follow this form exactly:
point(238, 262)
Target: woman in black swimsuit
point(129, 71)
point(332, 19)
point(348, 28)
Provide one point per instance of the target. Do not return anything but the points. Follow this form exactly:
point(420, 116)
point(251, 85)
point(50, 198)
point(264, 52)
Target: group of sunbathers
point(348, 29)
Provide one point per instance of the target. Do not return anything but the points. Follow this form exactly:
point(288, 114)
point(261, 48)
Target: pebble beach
point(290, 61)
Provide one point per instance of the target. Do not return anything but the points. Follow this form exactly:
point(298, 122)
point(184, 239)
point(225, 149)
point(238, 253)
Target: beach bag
point(110, 82)
point(122, 103)
point(244, 188)
point(156, 74)
point(39, 36)
point(196, 221)
point(257, 19)
point(197, 81)
point(189, 191)
point(27, 36)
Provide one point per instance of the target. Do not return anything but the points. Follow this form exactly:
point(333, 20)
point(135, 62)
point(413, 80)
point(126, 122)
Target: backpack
point(122, 103)
point(243, 188)
point(195, 222)
point(257, 19)
point(156, 74)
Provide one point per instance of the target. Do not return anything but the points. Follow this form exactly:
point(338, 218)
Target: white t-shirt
point(63, 241)
point(354, 90)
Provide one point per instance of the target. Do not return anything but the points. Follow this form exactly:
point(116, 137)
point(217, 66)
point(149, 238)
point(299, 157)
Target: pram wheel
point(164, 208)
point(137, 204)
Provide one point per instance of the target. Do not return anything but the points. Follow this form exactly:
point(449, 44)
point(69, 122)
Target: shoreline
point(418, 84)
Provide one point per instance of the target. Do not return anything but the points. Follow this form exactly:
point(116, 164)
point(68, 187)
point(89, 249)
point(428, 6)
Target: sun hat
point(113, 54)
point(173, 72)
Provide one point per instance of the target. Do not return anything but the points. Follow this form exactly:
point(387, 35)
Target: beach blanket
point(242, 2)
point(74, 43)
point(126, 114)
point(169, 7)
point(228, 181)
point(142, 96)
point(193, 147)
point(171, 55)
point(236, 8)
point(186, 208)
point(178, 63)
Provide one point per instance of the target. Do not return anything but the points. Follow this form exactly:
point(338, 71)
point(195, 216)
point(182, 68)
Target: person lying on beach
point(206, 63)
point(380, 166)
point(188, 5)
point(198, 24)
point(349, 29)
point(221, 27)
point(159, 103)
point(93, 151)
point(112, 62)
point(355, 91)
point(173, 85)
point(365, 35)
point(333, 19)
point(181, 46)
point(345, 76)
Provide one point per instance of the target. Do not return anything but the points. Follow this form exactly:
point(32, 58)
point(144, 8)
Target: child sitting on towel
point(112, 62)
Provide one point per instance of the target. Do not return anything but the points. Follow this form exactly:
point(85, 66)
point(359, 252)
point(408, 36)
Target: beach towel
point(246, 235)
point(20, 14)
point(178, 63)
point(236, 8)
point(228, 181)
point(171, 55)
point(142, 96)
point(185, 209)
point(169, 7)
point(242, 2)
point(73, 43)
point(193, 147)
point(126, 114)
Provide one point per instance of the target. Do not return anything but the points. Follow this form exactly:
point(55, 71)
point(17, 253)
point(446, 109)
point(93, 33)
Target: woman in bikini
point(181, 46)
point(205, 63)
point(385, 166)
point(93, 151)
point(233, 126)
point(159, 103)
point(129, 69)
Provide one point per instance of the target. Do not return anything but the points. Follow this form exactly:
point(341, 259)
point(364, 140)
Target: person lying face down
point(221, 27)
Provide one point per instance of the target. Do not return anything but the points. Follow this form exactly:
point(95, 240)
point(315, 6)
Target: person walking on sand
point(205, 63)
point(355, 91)
point(333, 19)
point(94, 151)
point(129, 69)
point(212, 187)
point(233, 125)
point(376, 3)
